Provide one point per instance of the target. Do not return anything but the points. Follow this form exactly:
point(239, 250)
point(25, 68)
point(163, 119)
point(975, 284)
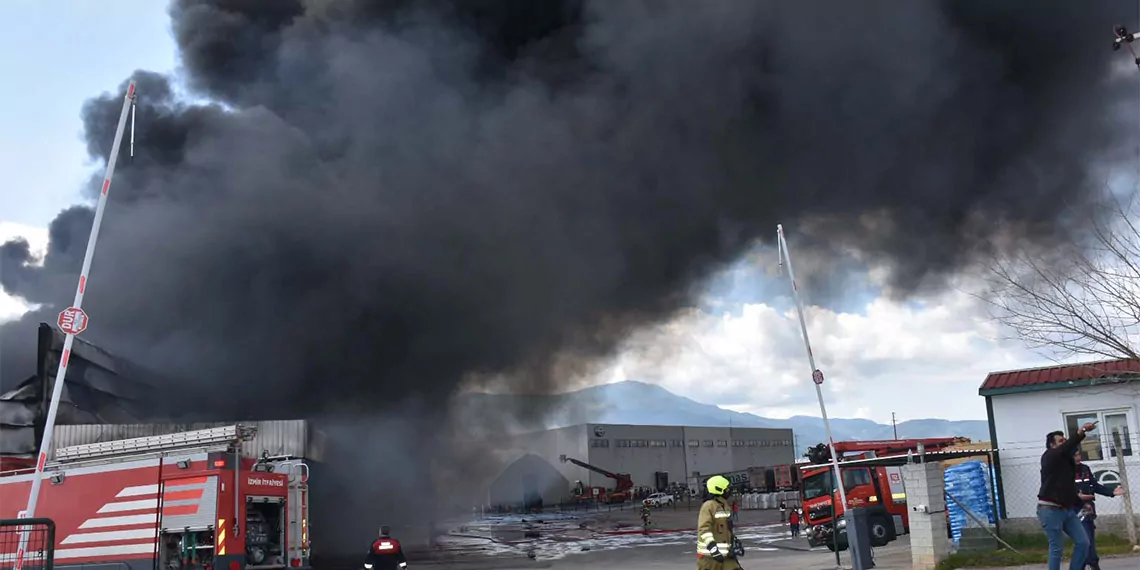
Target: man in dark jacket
point(385, 553)
point(1088, 488)
point(1057, 499)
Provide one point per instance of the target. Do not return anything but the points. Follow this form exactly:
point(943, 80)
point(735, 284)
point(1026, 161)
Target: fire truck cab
point(879, 489)
point(183, 501)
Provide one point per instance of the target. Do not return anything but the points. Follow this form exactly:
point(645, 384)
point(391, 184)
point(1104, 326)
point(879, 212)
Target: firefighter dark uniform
point(717, 547)
point(385, 553)
point(1086, 510)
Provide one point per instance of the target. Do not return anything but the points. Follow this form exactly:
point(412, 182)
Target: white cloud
point(921, 359)
point(12, 307)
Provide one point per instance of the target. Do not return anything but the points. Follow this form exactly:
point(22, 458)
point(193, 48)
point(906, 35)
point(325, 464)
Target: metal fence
point(1113, 461)
point(38, 554)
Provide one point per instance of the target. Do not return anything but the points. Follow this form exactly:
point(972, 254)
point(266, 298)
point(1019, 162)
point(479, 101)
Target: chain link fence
point(1113, 460)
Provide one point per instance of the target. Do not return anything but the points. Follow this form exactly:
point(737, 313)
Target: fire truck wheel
point(880, 532)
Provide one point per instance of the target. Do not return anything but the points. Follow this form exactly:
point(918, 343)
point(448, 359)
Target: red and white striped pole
point(75, 315)
point(816, 373)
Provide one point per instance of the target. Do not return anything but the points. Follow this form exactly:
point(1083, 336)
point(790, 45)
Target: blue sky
point(740, 349)
point(54, 58)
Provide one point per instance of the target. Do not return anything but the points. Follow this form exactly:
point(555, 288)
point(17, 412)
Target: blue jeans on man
point(1058, 522)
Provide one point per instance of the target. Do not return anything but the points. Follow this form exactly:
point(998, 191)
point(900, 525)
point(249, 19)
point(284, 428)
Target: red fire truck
point(183, 501)
point(877, 488)
point(620, 494)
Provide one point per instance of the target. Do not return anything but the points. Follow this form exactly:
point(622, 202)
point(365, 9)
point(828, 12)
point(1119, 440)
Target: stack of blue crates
point(969, 482)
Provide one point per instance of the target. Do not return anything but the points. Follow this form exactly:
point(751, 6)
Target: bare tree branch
point(1079, 299)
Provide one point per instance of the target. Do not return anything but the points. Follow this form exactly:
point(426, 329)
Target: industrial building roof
point(1062, 376)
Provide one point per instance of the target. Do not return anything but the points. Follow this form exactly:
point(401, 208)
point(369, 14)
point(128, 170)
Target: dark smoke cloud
point(395, 194)
point(391, 195)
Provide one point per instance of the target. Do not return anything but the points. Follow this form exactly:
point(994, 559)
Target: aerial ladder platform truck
point(181, 501)
point(874, 487)
point(623, 484)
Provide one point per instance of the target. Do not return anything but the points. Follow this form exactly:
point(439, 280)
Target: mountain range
point(639, 403)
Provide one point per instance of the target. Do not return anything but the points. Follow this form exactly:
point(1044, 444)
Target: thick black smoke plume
point(391, 195)
point(396, 194)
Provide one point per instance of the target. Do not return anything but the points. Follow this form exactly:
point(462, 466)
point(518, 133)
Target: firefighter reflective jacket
point(385, 554)
point(714, 525)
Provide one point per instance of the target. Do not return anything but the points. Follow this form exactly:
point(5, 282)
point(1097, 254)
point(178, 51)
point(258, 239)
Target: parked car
point(660, 499)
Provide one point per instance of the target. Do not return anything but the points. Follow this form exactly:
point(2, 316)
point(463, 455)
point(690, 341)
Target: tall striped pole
point(73, 321)
point(817, 379)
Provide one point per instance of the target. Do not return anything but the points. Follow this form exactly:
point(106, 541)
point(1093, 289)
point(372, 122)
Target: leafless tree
point(1080, 298)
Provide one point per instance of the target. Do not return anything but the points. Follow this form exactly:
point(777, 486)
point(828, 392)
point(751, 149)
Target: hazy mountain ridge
point(639, 403)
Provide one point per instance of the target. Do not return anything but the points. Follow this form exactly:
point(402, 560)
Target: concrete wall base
point(1105, 524)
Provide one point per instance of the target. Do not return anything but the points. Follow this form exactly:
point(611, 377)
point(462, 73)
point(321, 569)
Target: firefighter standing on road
point(385, 553)
point(717, 546)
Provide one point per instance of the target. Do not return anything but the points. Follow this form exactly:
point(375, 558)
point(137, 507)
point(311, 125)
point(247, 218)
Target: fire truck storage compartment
point(186, 550)
point(264, 532)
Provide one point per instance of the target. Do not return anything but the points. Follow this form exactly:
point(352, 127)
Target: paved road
point(677, 557)
point(790, 556)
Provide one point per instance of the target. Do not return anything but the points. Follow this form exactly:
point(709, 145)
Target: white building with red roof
point(1025, 405)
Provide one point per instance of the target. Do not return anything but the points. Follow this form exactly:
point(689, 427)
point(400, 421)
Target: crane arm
point(585, 465)
point(623, 481)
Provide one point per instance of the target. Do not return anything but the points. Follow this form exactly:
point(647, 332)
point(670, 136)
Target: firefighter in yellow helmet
point(717, 546)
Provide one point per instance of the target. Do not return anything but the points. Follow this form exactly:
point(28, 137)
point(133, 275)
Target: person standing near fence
point(1057, 499)
point(783, 511)
point(1088, 488)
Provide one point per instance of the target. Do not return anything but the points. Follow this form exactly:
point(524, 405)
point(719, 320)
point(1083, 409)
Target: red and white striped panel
point(127, 526)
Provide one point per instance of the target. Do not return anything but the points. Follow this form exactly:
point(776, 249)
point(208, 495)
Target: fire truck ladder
point(217, 436)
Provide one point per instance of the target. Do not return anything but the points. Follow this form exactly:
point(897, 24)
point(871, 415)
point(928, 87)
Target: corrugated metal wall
point(289, 437)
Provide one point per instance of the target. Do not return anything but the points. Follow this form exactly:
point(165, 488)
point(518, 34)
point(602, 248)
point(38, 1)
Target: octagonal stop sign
point(72, 320)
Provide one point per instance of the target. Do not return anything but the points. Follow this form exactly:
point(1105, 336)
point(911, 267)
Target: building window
point(722, 443)
point(738, 443)
point(694, 443)
point(753, 443)
point(706, 443)
point(677, 443)
point(599, 443)
point(1098, 444)
point(657, 443)
point(621, 443)
point(1116, 426)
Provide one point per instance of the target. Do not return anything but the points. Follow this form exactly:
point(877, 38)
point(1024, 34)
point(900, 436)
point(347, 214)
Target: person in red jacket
point(385, 553)
point(794, 522)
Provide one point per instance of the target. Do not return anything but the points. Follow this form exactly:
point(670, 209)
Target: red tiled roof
point(1064, 373)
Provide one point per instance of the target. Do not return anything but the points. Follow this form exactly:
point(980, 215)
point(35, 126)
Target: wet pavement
point(581, 541)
